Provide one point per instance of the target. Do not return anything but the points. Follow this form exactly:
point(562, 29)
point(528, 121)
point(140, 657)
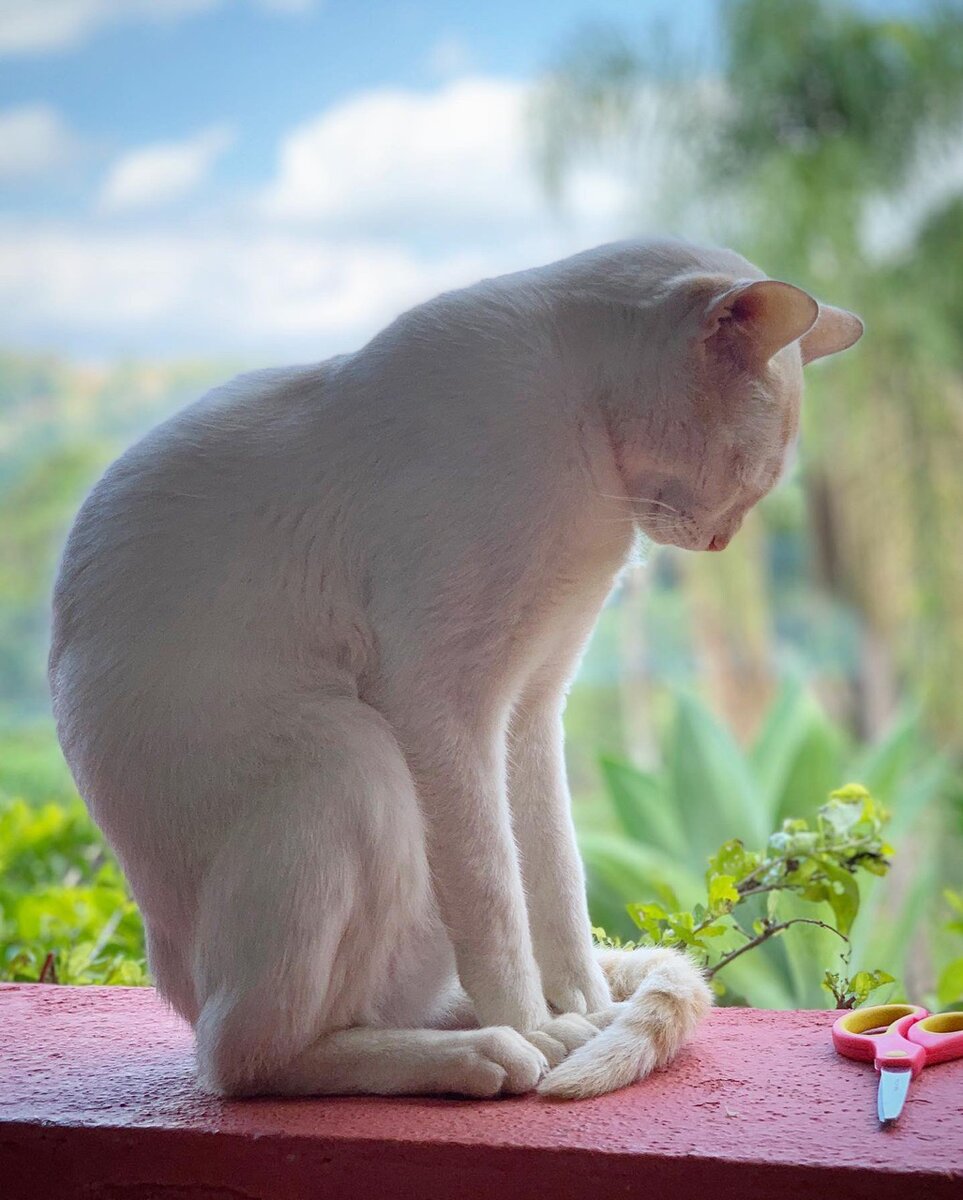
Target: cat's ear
point(835, 330)
point(754, 320)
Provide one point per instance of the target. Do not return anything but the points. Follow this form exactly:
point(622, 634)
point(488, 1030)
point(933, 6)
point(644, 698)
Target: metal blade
point(893, 1086)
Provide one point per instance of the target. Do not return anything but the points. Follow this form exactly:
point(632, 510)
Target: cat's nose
point(719, 542)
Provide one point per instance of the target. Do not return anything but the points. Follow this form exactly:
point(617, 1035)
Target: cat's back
point(177, 544)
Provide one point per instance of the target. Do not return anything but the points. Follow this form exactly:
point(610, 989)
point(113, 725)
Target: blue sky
point(264, 67)
point(276, 178)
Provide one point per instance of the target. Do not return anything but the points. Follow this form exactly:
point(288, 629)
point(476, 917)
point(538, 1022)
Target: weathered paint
point(97, 1099)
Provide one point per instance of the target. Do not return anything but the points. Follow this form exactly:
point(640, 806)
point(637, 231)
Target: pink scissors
point(900, 1040)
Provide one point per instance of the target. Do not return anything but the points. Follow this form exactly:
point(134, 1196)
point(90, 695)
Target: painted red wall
point(97, 1100)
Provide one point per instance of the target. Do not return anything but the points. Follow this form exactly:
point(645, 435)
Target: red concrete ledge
point(97, 1100)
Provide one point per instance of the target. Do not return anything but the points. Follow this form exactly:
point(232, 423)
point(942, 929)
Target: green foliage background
point(65, 913)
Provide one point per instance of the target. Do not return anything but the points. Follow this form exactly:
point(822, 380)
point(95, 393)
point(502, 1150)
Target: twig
point(48, 972)
point(768, 932)
point(770, 887)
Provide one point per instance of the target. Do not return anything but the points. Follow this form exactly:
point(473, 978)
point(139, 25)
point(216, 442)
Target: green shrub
point(65, 913)
point(669, 823)
point(744, 890)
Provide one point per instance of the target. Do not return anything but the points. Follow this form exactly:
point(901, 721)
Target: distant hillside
point(60, 424)
point(47, 402)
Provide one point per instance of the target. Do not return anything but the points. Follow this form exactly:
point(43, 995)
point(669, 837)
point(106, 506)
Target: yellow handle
point(879, 1016)
point(950, 1022)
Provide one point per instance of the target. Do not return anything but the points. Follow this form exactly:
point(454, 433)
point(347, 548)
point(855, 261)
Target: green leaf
point(646, 912)
point(644, 810)
point(814, 772)
point(844, 811)
point(722, 894)
point(842, 894)
point(885, 936)
point(855, 991)
point(918, 794)
point(851, 793)
point(797, 755)
point(710, 782)
point(884, 765)
point(652, 919)
point(619, 871)
point(949, 988)
point(732, 858)
point(794, 840)
point(804, 951)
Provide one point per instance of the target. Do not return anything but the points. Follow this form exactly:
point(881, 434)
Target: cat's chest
point(558, 605)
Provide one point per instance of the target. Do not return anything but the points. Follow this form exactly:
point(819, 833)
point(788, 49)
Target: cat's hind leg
point(481, 1063)
point(317, 932)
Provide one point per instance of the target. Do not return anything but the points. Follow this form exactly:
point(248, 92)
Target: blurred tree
point(811, 117)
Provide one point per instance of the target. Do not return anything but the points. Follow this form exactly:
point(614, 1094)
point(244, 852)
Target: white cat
point(312, 639)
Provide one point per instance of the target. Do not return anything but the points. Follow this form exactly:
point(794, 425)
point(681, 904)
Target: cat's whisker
point(656, 518)
point(638, 500)
point(648, 524)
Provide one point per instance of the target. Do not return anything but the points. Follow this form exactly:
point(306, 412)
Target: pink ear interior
point(758, 319)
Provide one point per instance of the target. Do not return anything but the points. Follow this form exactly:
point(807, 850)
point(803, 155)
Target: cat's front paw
point(579, 988)
point(563, 1034)
point(495, 1061)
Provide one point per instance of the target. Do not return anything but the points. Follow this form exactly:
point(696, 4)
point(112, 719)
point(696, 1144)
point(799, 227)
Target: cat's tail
point(661, 995)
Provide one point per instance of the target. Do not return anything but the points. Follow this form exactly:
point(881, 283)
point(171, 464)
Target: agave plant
point(668, 824)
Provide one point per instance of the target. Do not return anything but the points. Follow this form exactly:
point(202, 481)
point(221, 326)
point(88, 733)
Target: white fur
point(311, 644)
point(660, 996)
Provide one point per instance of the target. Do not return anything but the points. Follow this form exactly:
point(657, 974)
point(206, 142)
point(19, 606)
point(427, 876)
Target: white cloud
point(156, 175)
point(456, 157)
point(34, 140)
point(288, 294)
point(37, 26)
point(40, 25)
point(380, 202)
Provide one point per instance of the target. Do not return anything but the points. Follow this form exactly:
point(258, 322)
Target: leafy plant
point(743, 890)
point(669, 824)
point(65, 913)
point(855, 991)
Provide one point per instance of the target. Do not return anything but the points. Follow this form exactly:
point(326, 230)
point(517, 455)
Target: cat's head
point(724, 413)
